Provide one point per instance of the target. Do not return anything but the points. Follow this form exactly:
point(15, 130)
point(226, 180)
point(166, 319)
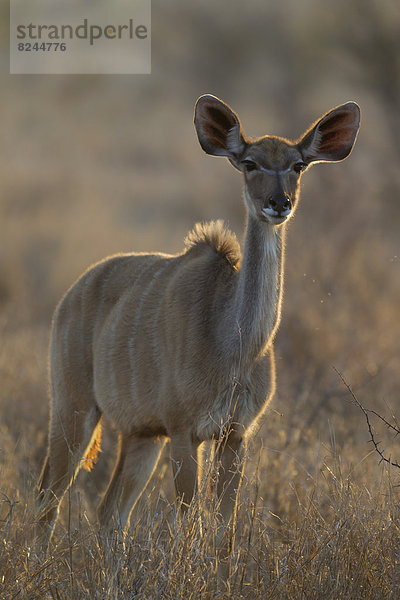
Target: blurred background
point(94, 165)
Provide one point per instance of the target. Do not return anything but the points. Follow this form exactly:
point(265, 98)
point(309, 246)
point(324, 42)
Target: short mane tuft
point(215, 235)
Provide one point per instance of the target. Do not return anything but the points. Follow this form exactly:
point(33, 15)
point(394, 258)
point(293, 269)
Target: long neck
point(253, 312)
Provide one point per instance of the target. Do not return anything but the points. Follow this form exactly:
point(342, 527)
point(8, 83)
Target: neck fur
point(253, 313)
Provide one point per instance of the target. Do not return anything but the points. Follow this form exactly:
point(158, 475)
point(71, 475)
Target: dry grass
point(327, 536)
point(91, 166)
point(317, 517)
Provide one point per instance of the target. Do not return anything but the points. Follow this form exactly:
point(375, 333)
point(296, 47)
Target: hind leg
point(70, 438)
point(136, 462)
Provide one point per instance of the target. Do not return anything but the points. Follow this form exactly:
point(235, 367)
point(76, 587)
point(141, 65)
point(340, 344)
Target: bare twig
point(367, 412)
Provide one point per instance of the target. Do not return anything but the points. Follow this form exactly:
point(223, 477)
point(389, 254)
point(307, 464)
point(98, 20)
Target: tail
point(93, 449)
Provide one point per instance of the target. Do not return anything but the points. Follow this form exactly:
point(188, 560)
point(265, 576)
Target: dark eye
point(249, 165)
point(299, 167)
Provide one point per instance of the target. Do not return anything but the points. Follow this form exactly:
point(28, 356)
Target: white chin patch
point(275, 217)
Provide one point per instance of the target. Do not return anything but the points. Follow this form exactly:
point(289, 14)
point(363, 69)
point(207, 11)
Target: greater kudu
point(181, 347)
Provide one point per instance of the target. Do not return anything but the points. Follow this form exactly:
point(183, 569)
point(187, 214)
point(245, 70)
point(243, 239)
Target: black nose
point(280, 203)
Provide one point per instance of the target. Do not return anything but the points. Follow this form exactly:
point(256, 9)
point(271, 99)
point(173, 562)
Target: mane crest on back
point(215, 235)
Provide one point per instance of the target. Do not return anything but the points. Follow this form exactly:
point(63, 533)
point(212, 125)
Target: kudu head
point(271, 165)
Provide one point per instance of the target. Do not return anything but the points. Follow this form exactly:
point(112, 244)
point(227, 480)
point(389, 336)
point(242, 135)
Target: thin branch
point(367, 412)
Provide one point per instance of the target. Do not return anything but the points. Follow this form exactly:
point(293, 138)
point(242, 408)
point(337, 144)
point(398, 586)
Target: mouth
point(274, 217)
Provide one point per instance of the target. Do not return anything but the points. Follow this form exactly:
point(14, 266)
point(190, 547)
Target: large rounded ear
point(218, 128)
point(332, 137)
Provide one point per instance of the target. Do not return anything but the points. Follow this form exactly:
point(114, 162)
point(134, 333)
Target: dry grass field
point(94, 165)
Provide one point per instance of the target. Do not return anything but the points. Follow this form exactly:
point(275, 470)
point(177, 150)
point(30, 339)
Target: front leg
point(230, 453)
point(230, 463)
point(184, 464)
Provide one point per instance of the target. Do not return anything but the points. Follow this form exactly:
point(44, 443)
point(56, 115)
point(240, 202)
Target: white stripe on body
point(138, 315)
point(115, 321)
point(67, 329)
point(104, 286)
